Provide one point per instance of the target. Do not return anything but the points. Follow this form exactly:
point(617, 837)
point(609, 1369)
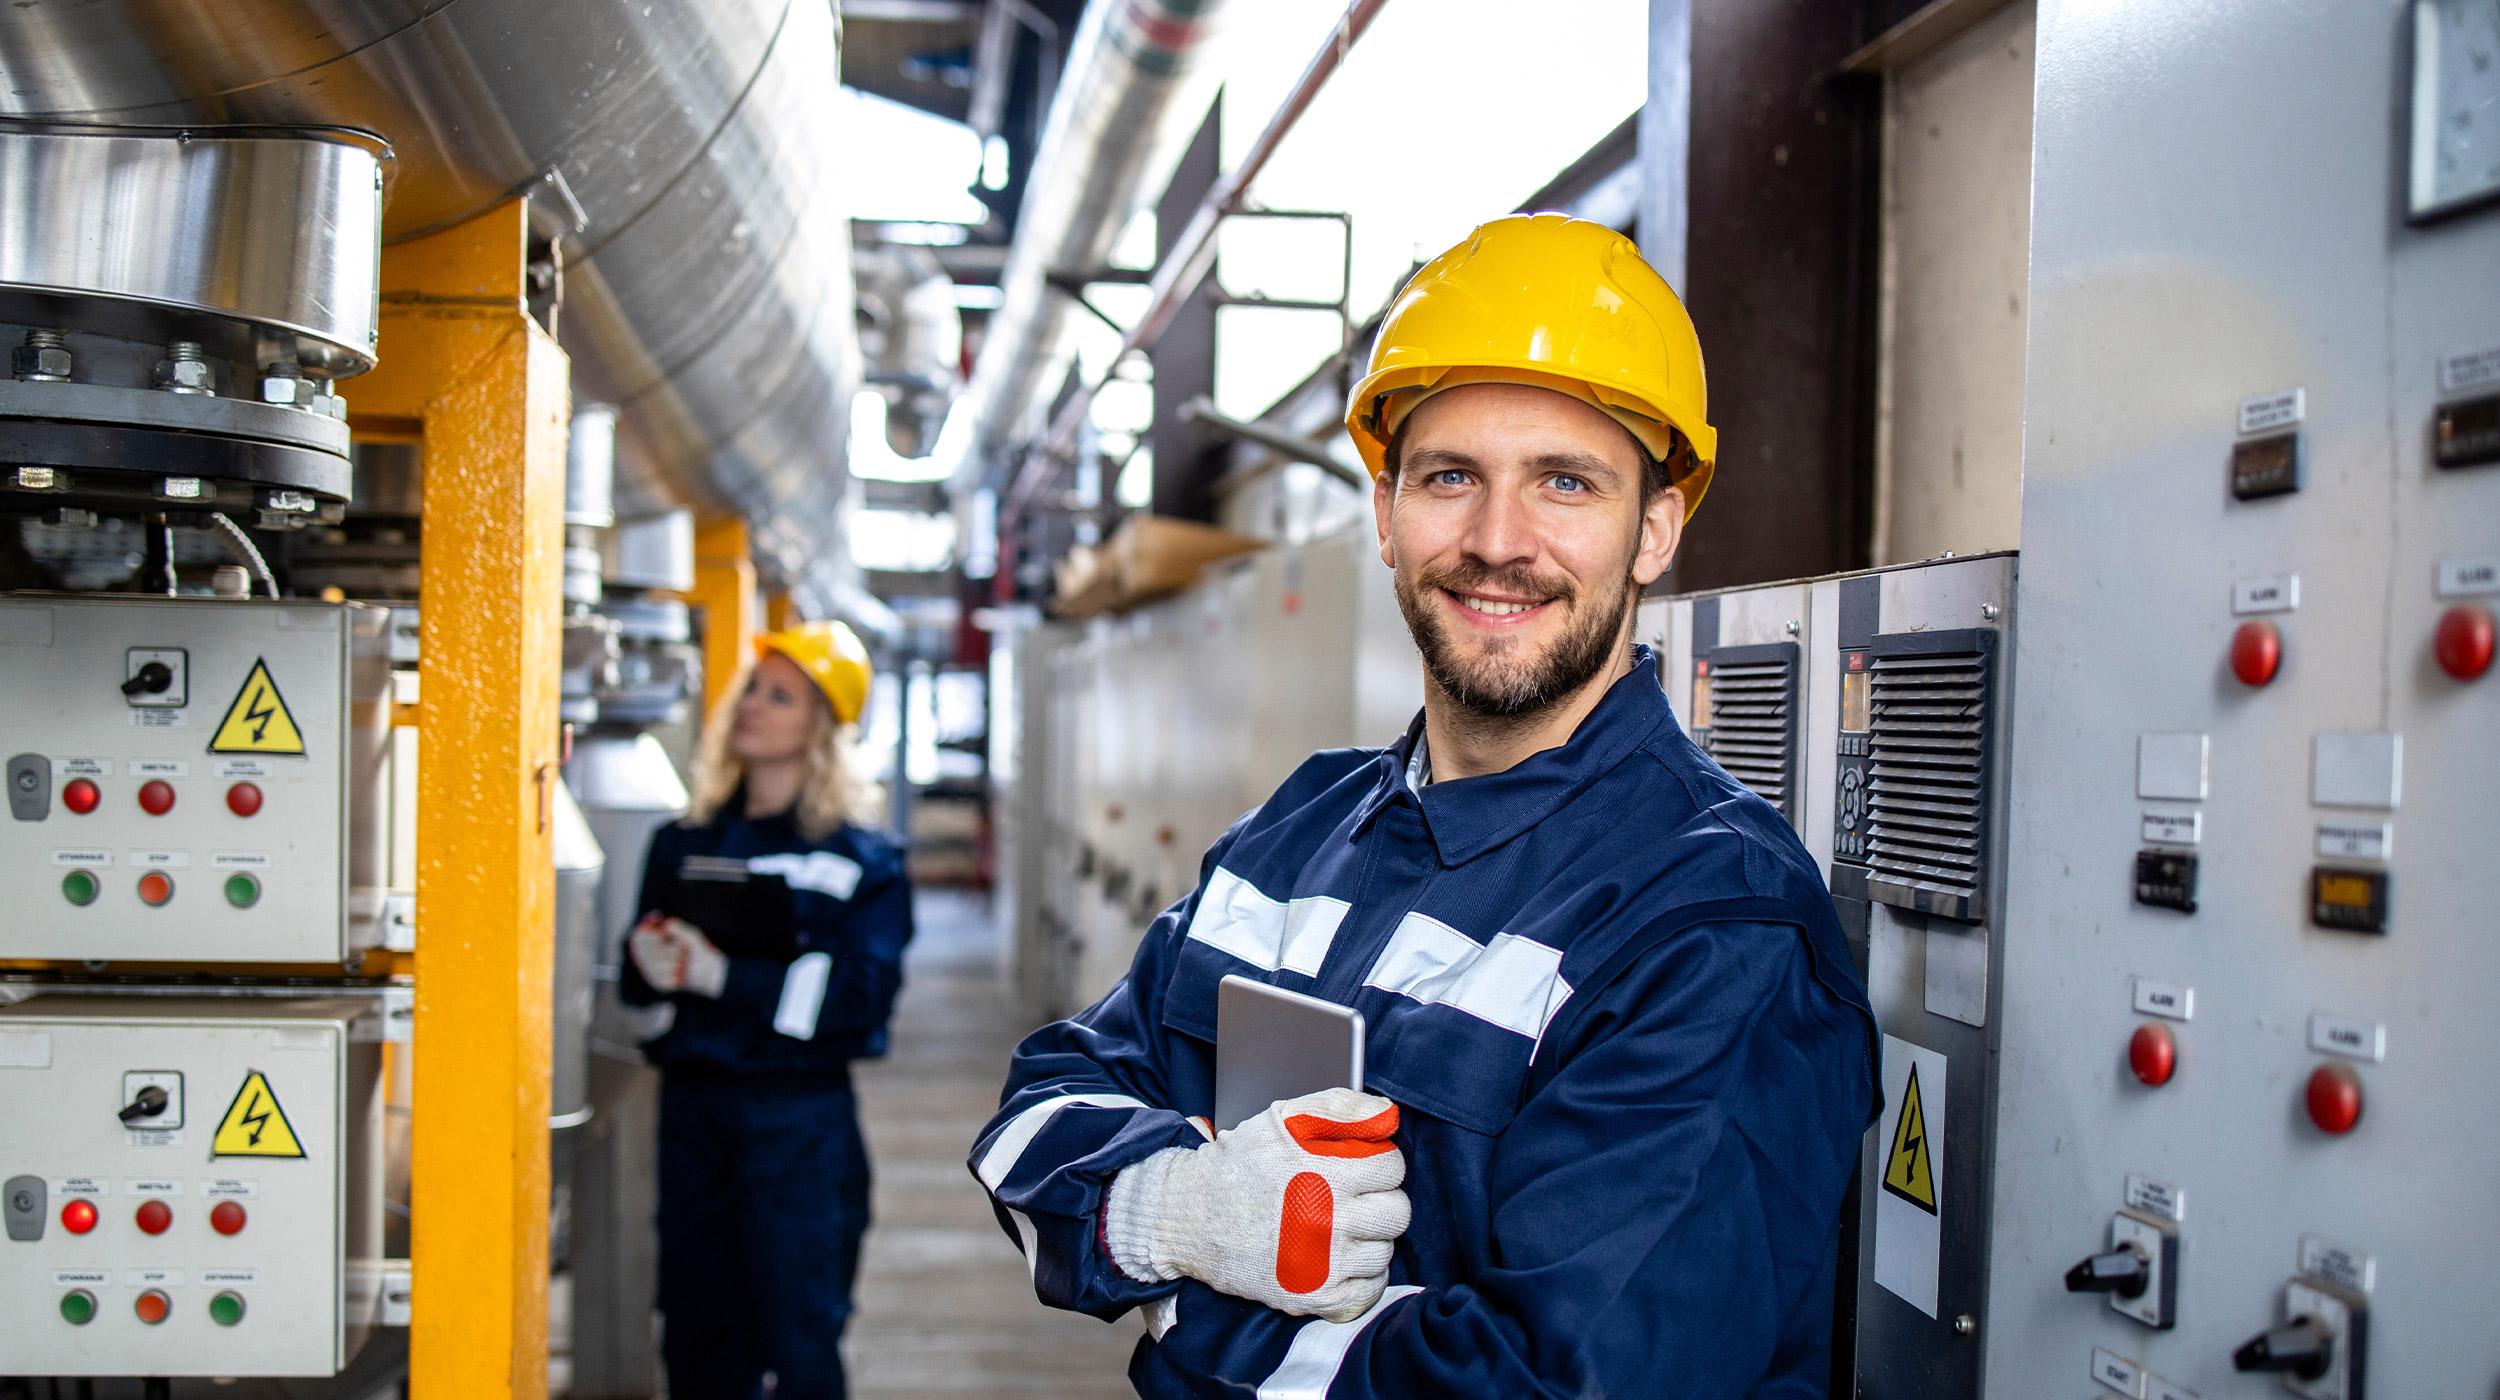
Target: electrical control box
point(191, 1187)
point(192, 780)
point(1875, 708)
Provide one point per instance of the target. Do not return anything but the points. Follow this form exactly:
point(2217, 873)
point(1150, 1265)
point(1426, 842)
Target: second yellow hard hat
point(832, 656)
point(1550, 301)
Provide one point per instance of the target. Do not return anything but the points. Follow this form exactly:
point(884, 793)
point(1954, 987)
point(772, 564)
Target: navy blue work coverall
point(1632, 1058)
point(763, 1173)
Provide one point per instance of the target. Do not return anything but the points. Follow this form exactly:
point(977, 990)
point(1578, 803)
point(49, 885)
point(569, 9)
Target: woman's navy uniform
point(763, 1173)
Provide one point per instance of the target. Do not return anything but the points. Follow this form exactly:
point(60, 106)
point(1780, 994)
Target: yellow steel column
point(464, 367)
point(779, 612)
point(724, 587)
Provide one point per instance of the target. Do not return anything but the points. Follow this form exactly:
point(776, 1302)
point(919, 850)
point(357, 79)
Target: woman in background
point(773, 921)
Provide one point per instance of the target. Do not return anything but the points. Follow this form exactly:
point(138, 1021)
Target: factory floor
point(945, 1309)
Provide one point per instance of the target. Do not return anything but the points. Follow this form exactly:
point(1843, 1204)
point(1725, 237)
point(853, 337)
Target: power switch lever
point(2123, 1271)
point(147, 1103)
point(2302, 1346)
point(152, 678)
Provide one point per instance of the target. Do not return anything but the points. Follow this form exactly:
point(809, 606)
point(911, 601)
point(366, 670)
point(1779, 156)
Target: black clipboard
point(744, 913)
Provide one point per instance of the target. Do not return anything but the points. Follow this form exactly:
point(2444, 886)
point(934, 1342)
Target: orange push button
point(2256, 653)
point(152, 1306)
point(2335, 1098)
point(2153, 1053)
point(156, 887)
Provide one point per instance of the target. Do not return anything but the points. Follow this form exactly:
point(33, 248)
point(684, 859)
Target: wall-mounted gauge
point(2456, 106)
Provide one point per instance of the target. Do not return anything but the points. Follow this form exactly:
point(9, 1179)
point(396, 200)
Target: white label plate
point(2468, 370)
point(2341, 1035)
point(152, 1186)
point(2171, 767)
point(2117, 1372)
point(245, 1277)
point(2469, 578)
point(152, 1278)
point(241, 768)
point(81, 1186)
point(239, 860)
point(160, 719)
point(86, 768)
point(2155, 1388)
point(2165, 999)
point(81, 1278)
point(2357, 770)
point(2173, 828)
point(2156, 1198)
point(161, 860)
point(160, 768)
point(89, 857)
point(2336, 1264)
point(2261, 413)
point(230, 1188)
point(2356, 840)
point(2267, 593)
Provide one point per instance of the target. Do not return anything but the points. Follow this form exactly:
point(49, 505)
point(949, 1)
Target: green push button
point(242, 891)
point(78, 1307)
point(226, 1308)
point(80, 887)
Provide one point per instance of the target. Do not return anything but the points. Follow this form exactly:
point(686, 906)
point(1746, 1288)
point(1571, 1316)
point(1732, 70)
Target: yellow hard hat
point(1550, 301)
point(831, 655)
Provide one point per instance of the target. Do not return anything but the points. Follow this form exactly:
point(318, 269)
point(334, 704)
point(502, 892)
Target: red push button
point(2153, 1053)
point(80, 796)
point(2335, 1098)
point(155, 1217)
point(243, 799)
point(78, 1217)
point(156, 887)
point(227, 1218)
point(2256, 653)
point(152, 1307)
point(2463, 642)
point(156, 797)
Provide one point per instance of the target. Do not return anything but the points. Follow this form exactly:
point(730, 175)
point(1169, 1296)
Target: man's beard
point(1502, 686)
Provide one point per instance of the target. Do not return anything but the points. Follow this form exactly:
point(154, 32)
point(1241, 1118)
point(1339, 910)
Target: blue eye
point(1449, 476)
point(1570, 484)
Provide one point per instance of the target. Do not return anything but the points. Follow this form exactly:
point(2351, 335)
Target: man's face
point(1519, 538)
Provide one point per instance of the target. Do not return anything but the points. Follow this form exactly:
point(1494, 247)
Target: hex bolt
point(43, 359)
point(38, 479)
point(182, 371)
point(284, 383)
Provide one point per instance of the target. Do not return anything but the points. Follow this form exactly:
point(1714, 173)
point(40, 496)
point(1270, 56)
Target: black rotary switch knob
point(147, 1103)
point(153, 678)
point(2123, 1271)
point(2301, 1346)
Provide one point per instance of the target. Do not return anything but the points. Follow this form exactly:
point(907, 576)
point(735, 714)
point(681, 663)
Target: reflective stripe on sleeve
point(1318, 1351)
point(1515, 983)
point(1007, 1149)
point(803, 995)
point(1273, 934)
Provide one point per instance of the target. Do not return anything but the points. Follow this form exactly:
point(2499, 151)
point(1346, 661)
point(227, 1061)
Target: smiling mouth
point(1494, 609)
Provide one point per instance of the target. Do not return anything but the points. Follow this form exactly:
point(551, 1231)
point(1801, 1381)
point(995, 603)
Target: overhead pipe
point(1202, 411)
point(1135, 90)
point(1193, 254)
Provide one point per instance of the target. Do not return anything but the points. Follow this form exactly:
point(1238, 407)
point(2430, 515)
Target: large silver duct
point(1137, 86)
point(684, 150)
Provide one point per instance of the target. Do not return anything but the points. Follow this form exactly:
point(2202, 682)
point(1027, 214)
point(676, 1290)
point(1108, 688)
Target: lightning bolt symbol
point(256, 1121)
point(261, 710)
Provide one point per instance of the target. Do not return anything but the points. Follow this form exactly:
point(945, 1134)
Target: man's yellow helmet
point(832, 656)
point(1554, 302)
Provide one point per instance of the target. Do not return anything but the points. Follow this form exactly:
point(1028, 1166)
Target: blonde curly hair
point(833, 793)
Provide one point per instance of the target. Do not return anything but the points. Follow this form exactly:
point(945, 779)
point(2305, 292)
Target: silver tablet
point(1273, 1044)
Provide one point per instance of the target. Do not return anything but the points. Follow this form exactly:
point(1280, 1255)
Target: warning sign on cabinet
point(258, 721)
point(254, 1125)
point(1909, 1209)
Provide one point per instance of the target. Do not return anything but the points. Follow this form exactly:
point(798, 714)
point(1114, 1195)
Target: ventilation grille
point(1753, 720)
point(1928, 801)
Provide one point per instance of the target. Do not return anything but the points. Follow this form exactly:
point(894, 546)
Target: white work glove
point(1295, 1209)
point(674, 956)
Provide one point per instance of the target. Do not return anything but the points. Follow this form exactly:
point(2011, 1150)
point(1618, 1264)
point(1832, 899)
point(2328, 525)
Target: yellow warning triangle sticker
point(258, 720)
point(254, 1125)
point(1907, 1171)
